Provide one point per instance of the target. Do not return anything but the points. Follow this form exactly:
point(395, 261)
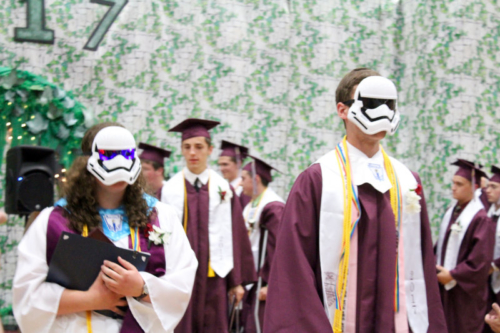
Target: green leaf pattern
point(268, 71)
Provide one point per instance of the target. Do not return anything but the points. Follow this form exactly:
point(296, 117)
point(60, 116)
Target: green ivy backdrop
point(268, 69)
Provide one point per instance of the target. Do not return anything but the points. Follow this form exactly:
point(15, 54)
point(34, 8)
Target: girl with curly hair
point(104, 190)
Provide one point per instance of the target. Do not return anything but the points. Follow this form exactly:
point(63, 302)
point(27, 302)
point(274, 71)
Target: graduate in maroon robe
point(230, 162)
point(262, 214)
point(464, 254)
point(493, 195)
point(296, 297)
point(190, 193)
point(152, 159)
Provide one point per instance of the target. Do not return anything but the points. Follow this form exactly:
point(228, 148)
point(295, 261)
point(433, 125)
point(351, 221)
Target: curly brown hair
point(80, 186)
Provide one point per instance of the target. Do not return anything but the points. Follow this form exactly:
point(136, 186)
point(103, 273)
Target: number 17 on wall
point(36, 31)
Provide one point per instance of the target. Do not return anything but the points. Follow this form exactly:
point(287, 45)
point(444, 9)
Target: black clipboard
point(77, 260)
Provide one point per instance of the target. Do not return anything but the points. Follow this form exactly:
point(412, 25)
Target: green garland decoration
point(41, 114)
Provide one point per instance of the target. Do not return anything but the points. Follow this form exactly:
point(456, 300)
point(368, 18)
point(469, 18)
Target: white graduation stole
point(330, 238)
point(220, 235)
point(268, 197)
point(456, 237)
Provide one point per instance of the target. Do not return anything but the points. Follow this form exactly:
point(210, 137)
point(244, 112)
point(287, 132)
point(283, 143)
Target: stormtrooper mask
point(113, 156)
point(374, 107)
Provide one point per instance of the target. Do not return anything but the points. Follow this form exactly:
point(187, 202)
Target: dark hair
point(154, 164)
point(264, 182)
point(208, 141)
point(80, 186)
point(349, 81)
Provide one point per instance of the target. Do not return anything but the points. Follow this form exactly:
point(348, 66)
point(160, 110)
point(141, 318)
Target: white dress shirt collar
point(492, 211)
point(369, 170)
point(191, 177)
point(236, 182)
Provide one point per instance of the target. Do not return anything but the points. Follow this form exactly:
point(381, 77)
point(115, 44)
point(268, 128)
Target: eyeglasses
point(106, 155)
point(373, 103)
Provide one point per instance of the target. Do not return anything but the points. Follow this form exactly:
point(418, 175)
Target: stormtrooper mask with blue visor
point(113, 158)
point(374, 107)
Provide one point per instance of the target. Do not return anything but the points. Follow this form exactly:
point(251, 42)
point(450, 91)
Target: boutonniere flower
point(158, 236)
point(147, 230)
point(413, 200)
point(225, 196)
point(456, 227)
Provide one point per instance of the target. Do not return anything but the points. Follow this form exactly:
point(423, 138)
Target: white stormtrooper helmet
point(374, 107)
point(113, 159)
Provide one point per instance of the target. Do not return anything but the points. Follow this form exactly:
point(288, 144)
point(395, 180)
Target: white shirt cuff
point(450, 284)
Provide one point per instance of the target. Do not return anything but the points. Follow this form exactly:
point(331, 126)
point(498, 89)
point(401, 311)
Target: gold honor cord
point(346, 238)
point(395, 196)
point(211, 272)
point(85, 233)
point(136, 246)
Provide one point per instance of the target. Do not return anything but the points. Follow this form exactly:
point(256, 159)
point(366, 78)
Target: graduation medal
point(251, 216)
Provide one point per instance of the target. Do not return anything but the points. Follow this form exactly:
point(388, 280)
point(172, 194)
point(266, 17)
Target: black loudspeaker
point(30, 179)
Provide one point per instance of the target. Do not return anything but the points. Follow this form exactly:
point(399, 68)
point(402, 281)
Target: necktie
point(197, 185)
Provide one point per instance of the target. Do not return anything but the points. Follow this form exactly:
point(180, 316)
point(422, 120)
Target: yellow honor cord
point(134, 234)
point(346, 240)
point(85, 233)
point(395, 196)
point(211, 272)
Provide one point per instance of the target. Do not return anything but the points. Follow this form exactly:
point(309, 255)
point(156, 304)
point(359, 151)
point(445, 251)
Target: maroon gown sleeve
point(270, 218)
point(471, 274)
point(437, 321)
point(294, 302)
point(243, 272)
point(497, 261)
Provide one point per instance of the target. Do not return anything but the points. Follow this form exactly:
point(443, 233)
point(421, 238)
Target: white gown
point(36, 302)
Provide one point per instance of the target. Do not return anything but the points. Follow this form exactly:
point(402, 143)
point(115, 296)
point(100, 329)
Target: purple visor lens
point(106, 155)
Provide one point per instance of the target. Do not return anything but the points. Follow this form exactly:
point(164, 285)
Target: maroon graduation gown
point(58, 223)
point(244, 200)
point(269, 218)
point(294, 301)
point(465, 304)
point(492, 296)
point(208, 308)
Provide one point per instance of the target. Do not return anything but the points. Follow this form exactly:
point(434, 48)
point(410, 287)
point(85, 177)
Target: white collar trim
point(191, 177)
point(369, 170)
point(492, 211)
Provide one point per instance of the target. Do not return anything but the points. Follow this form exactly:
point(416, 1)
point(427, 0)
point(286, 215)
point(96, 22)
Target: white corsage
point(456, 227)
point(225, 196)
point(158, 236)
point(413, 201)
